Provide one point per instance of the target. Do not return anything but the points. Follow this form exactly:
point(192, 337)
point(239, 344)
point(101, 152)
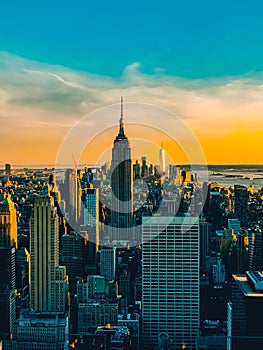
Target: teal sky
point(190, 39)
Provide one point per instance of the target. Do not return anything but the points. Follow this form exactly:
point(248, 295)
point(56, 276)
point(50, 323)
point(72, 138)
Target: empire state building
point(121, 184)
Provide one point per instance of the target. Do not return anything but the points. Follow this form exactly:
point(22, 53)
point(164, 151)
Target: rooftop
point(245, 287)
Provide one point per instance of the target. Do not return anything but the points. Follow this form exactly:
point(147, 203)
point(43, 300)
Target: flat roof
point(247, 290)
point(169, 220)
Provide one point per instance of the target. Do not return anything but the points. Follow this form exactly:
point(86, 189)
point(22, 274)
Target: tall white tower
point(170, 283)
point(162, 160)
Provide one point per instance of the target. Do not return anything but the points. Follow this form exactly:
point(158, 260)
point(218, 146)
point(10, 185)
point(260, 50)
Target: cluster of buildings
point(90, 262)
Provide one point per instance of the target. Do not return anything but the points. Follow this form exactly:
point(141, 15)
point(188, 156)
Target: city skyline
point(131, 225)
point(77, 283)
point(203, 64)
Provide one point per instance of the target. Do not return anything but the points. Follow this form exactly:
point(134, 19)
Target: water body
point(230, 182)
point(237, 175)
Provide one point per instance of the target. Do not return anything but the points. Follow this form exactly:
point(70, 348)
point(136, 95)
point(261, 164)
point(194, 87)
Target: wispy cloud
point(42, 97)
point(71, 84)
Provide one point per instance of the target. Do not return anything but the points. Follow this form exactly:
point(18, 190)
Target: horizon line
point(40, 166)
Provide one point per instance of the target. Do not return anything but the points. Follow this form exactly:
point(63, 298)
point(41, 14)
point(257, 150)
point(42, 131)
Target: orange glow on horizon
point(35, 146)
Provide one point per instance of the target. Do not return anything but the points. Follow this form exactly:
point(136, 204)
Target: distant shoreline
point(211, 167)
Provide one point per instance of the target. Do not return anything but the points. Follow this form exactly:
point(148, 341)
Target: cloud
point(40, 97)
point(71, 84)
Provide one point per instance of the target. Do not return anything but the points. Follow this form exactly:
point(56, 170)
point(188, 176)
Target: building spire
point(121, 119)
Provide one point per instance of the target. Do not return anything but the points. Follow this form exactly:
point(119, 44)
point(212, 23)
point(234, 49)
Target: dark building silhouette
point(7, 171)
point(241, 203)
point(72, 251)
point(121, 184)
point(255, 249)
point(8, 240)
point(205, 236)
point(247, 309)
point(242, 252)
point(7, 263)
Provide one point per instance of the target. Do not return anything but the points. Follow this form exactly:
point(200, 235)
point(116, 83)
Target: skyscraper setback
point(48, 281)
point(121, 184)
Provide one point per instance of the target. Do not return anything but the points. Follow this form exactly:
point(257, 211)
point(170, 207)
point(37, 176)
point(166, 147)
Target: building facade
point(39, 331)
point(247, 308)
point(170, 283)
point(108, 263)
point(121, 185)
point(47, 281)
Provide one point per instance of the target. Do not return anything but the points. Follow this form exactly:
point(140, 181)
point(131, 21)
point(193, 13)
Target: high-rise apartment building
point(47, 280)
point(170, 283)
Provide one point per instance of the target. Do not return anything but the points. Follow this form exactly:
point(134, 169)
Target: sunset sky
point(199, 60)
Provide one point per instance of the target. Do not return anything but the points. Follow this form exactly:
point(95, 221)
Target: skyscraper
point(7, 312)
point(205, 234)
point(7, 171)
point(108, 263)
point(8, 266)
point(247, 308)
point(71, 193)
point(8, 221)
point(162, 160)
point(241, 196)
point(91, 217)
point(170, 287)
point(121, 184)
point(72, 256)
point(8, 240)
point(242, 252)
point(255, 249)
point(91, 208)
point(47, 280)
